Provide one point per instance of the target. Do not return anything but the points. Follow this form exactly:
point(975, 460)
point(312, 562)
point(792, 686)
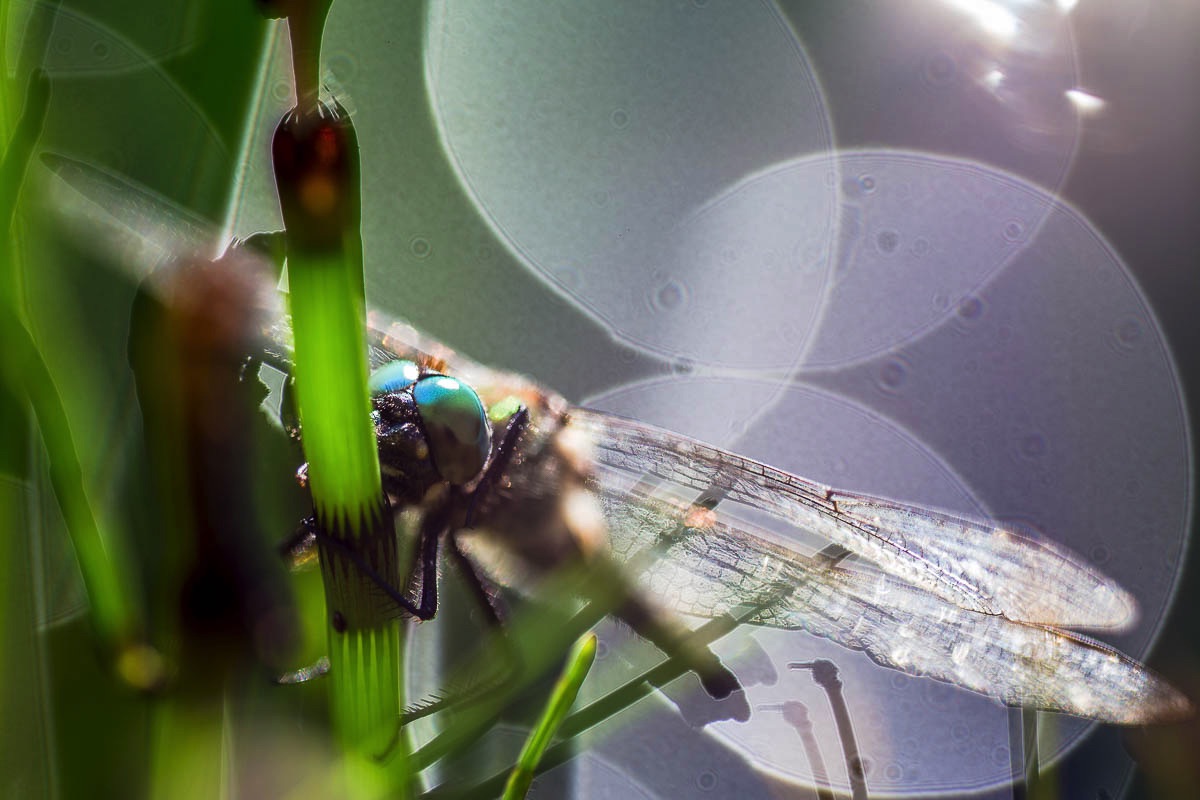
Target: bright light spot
point(993, 79)
point(1066, 6)
point(1085, 103)
point(991, 17)
point(1081, 697)
point(974, 569)
point(584, 518)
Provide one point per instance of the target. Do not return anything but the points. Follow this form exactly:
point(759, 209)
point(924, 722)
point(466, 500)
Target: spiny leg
point(517, 424)
point(432, 526)
point(475, 583)
point(309, 535)
point(300, 547)
point(452, 696)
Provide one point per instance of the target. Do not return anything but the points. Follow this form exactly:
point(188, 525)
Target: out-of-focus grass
point(159, 91)
point(163, 93)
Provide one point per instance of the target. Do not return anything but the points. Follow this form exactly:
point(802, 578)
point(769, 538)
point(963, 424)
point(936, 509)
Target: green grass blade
point(105, 573)
point(603, 709)
point(579, 663)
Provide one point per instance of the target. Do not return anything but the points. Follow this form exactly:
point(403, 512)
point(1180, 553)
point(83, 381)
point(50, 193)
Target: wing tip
point(1163, 704)
point(1114, 609)
point(1150, 700)
point(1108, 607)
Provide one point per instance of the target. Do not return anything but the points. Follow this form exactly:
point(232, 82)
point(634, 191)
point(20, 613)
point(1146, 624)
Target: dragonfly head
point(429, 427)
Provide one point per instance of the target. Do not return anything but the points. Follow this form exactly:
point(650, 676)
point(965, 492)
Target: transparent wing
point(976, 566)
point(701, 563)
point(129, 221)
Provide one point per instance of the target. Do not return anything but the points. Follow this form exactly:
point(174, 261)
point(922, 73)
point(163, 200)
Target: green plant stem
point(331, 377)
point(315, 156)
point(328, 317)
point(364, 666)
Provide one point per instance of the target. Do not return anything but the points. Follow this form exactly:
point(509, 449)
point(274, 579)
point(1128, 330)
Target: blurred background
point(938, 250)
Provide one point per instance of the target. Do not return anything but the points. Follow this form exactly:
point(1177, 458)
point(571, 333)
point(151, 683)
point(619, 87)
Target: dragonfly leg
point(499, 462)
point(464, 695)
point(309, 535)
point(496, 467)
point(475, 583)
point(431, 529)
point(433, 525)
point(510, 656)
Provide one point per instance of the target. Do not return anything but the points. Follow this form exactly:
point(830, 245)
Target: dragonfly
point(541, 482)
point(960, 600)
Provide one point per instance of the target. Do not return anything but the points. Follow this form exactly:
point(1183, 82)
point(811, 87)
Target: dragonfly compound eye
point(456, 426)
point(393, 376)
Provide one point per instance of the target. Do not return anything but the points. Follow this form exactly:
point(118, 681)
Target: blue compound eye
point(456, 427)
point(393, 377)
